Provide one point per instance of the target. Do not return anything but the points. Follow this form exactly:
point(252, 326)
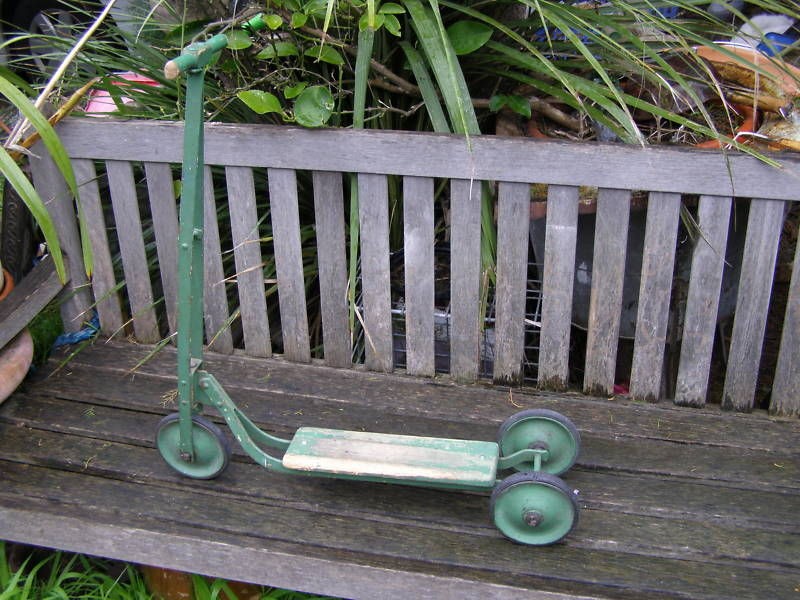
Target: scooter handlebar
point(199, 54)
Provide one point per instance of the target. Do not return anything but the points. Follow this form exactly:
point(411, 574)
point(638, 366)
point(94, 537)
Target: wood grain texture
point(104, 282)
point(131, 244)
point(289, 264)
point(215, 300)
point(373, 212)
point(418, 222)
point(165, 226)
point(443, 155)
point(608, 275)
point(465, 278)
point(76, 299)
point(702, 302)
point(332, 265)
point(28, 297)
point(557, 285)
point(249, 263)
point(752, 303)
point(647, 527)
point(658, 261)
point(512, 280)
point(785, 399)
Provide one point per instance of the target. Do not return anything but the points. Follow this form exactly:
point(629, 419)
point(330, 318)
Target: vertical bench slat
point(134, 259)
point(289, 263)
point(165, 226)
point(785, 396)
point(419, 275)
point(465, 278)
point(608, 275)
point(104, 282)
point(249, 263)
point(702, 302)
point(557, 285)
point(215, 300)
point(652, 318)
point(76, 299)
point(373, 209)
point(332, 264)
point(752, 303)
point(513, 223)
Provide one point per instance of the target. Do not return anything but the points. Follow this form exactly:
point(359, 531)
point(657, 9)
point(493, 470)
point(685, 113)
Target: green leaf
point(298, 20)
point(17, 179)
point(314, 106)
point(390, 8)
point(363, 22)
point(260, 102)
point(392, 25)
point(427, 89)
point(273, 21)
point(325, 54)
point(468, 36)
point(278, 49)
point(497, 102)
point(293, 91)
point(519, 105)
point(238, 40)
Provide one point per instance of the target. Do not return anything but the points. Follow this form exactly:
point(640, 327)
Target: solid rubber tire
point(565, 432)
point(211, 448)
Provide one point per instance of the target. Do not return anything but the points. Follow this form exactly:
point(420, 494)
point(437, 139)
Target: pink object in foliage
point(101, 102)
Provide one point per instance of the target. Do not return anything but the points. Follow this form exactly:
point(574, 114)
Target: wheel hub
point(532, 518)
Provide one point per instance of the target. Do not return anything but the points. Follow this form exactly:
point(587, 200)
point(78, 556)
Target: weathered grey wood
point(441, 155)
point(76, 299)
point(28, 297)
point(373, 210)
point(785, 397)
point(165, 226)
point(332, 265)
point(289, 263)
point(557, 284)
point(104, 282)
point(512, 280)
point(752, 303)
point(700, 321)
point(134, 259)
point(215, 300)
point(249, 263)
point(658, 260)
point(465, 278)
point(419, 275)
point(608, 275)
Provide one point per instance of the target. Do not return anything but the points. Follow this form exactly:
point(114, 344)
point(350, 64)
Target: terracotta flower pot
point(17, 355)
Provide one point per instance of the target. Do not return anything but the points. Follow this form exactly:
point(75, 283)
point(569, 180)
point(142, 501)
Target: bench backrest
point(623, 271)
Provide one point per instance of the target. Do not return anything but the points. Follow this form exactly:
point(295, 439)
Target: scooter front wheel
point(211, 448)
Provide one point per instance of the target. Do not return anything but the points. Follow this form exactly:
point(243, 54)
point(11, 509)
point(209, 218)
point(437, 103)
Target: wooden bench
point(676, 501)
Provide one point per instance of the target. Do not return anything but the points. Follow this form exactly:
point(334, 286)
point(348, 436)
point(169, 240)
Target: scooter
point(531, 506)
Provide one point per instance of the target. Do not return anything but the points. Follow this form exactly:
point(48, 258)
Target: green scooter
point(531, 506)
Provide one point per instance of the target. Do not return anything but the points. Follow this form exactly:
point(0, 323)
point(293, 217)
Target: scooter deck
point(389, 457)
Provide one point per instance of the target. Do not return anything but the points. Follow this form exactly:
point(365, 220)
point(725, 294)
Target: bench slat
point(373, 209)
point(165, 226)
point(608, 275)
point(332, 264)
point(418, 223)
point(104, 282)
point(661, 229)
point(557, 285)
point(752, 303)
point(702, 302)
point(289, 263)
point(215, 300)
point(785, 399)
point(134, 258)
point(76, 301)
point(249, 263)
point(465, 277)
point(512, 275)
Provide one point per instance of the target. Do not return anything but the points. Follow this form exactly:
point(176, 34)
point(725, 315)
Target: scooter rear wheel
point(545, 429)
point(211, 448)
point(534, 508)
